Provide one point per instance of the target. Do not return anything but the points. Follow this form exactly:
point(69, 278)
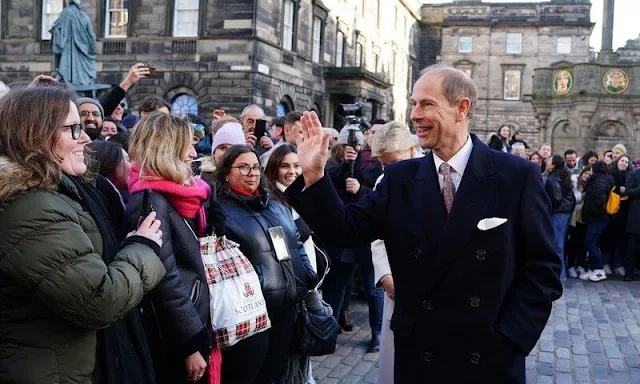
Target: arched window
point(283, 109)
point(184, 104)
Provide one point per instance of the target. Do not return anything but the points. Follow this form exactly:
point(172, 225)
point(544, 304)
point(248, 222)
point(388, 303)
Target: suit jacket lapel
point(424, 192)
point(478, 185)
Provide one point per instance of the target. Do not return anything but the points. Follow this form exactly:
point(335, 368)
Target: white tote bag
point(237, 305)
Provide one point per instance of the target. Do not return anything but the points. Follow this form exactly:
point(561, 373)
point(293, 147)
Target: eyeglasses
point(122, 105)
point(245, 169)
point(93, 113)
point(76, 130)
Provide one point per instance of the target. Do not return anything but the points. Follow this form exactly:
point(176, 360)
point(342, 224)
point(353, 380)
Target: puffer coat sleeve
point(45, 247)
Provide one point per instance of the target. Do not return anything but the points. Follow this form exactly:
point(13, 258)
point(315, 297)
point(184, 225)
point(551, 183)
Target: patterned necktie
point(448, 190)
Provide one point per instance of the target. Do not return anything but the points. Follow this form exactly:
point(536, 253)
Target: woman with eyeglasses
point(68, 283)
point(286, 275)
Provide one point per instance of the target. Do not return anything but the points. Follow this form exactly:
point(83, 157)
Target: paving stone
point(546, 357)
point(581, 361)
point(617, 365)
point(563, 353)
point(563, 365)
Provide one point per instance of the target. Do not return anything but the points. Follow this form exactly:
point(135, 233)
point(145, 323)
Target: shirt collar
point(459, 161)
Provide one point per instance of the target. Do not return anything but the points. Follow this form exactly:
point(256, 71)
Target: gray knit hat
point(88, 100)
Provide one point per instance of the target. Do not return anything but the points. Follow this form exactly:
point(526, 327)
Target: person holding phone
point(70, 280)
point(177, 311)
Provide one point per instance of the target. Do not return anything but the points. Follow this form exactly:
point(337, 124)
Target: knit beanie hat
point(129, 121)
point(88, 100)
point(230, 133)
point(620, 148)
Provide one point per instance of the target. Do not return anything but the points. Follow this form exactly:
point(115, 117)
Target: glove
point(216, 219)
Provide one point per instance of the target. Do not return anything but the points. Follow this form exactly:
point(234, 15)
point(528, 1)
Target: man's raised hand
point(313, 148)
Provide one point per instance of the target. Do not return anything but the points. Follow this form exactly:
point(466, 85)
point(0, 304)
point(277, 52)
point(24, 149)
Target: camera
point(346, 110)
point(352, 115)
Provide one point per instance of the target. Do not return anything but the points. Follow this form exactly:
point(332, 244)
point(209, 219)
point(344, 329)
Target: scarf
point(187, 200)
point(122, 352)
point(242, 192)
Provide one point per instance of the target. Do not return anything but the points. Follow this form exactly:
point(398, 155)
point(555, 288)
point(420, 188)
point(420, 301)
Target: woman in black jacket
point(595, 215)
point(500, 140)
point(560, 191)
point(614, 238)
point(632, 190)
point(176, 312)
point(285, 273)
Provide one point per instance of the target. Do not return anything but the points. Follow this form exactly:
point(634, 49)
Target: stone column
point(606, 55)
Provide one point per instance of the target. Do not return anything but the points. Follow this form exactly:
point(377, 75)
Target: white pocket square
point(490, 223)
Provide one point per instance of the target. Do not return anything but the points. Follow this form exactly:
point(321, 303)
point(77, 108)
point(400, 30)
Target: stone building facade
point(281, 54)
point(499, 45)
point(592, 105)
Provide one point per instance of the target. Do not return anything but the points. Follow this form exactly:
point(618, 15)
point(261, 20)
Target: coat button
point(474, 302)
point(481, 254)
point(427, 357)
point(427, 305)
point(475, 358)
point(417, 254)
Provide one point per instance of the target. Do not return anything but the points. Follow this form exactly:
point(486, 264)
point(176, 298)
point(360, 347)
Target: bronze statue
point(74, 46)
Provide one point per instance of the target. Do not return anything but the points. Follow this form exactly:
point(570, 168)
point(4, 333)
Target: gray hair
point(455, 85)
point(250, 107)
point(391, 137)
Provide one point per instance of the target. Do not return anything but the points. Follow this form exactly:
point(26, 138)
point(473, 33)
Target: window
point(51, 9)
point(564, 44)
point(514, 42)
point(512, 84)
point(317, 39)
point(340, 49)
point(395, 17)
point(378, 13)
point(359, 55)
point(184, 104)
point(282, 109)
point(289, 20)
point(376, 62)
point(116, 18)
point(185, 18)
point(464, 44)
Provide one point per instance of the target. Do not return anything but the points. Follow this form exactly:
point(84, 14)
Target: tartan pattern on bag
point(238, 309)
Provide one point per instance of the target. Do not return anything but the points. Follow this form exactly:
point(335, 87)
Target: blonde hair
point(392, 137)
point(158, 143)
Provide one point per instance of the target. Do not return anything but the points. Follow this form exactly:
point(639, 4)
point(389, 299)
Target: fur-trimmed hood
point(12, 179)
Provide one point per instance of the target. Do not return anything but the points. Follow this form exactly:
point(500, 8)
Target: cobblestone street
point(593, 336)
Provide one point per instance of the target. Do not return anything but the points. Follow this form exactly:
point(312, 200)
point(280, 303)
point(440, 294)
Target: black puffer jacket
point(562, 199)
point(177, 310)
point(248, 219)
point(596, 194)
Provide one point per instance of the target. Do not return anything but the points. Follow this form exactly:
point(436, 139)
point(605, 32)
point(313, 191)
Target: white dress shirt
point(458, 164)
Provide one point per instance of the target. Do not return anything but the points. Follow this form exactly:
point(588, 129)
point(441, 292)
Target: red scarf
point(188, 201)
point(242, 192)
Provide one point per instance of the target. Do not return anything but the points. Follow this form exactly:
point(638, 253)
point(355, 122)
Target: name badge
point(279, 243)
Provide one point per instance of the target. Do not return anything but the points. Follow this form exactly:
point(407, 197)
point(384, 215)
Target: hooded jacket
point(55, 289)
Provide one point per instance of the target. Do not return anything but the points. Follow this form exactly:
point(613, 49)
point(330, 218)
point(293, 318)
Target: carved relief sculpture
point(615, 81)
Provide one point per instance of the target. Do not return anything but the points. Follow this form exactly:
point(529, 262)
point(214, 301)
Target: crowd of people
point(591, 240)
point(122, 296)
point(125, 297)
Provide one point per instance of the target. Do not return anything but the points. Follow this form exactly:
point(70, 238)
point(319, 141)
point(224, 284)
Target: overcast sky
point(625, 27)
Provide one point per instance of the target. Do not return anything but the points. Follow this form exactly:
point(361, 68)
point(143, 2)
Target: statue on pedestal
point(74, 46)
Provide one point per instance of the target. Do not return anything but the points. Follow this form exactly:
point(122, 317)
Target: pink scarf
point(188, 201)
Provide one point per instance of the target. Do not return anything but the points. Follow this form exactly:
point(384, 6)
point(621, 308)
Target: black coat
point(177, 310)
point(562, 199)
point(596, 194)
point(247, 222)
point(469, 304)
point(497, 143)
point(633, 192)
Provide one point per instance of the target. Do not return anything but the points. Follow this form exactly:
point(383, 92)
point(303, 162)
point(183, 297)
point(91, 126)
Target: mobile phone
point(218, 113)
point(261, 128)
point(147, 207)
point(152, 71)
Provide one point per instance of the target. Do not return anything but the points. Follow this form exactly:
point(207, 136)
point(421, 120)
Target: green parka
point(55, 290)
